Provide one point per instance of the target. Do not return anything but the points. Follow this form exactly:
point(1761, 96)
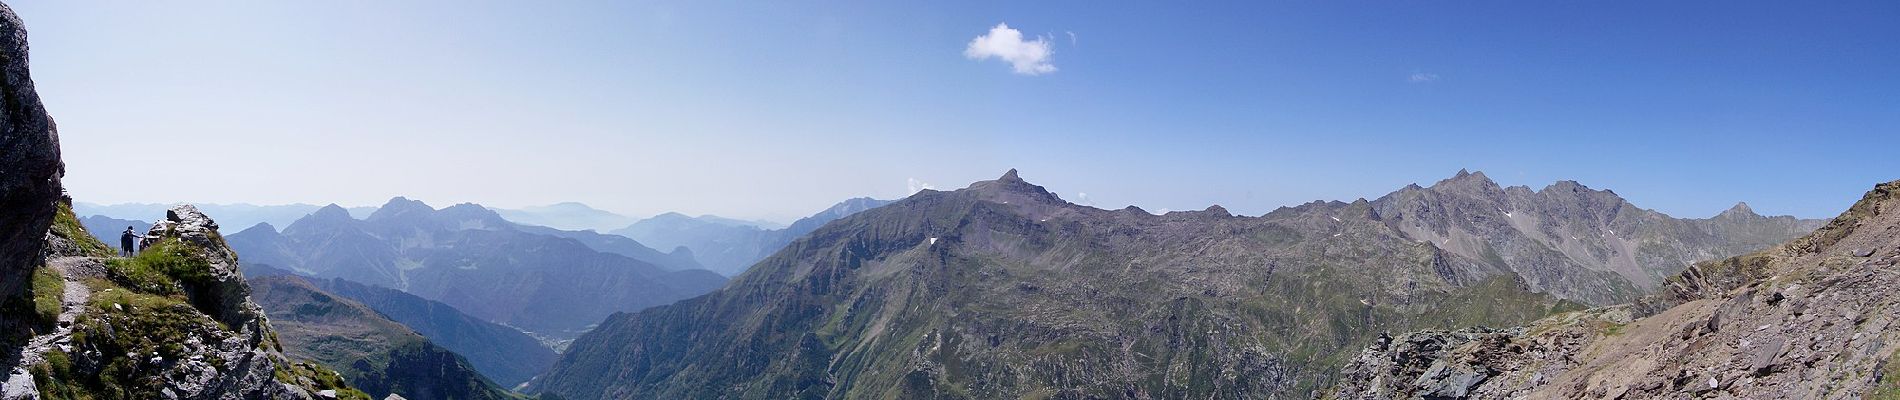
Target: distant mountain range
point(727, 246)
point(108, 229)
point(1004, 290)
point(469, 257)
point(232, 216)
point(568, 216)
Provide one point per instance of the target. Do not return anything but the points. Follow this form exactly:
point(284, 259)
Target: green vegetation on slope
point(118, 321)
point(66, 225)
point(321, 377)
point(47, 289)
point(374, 354)
point(1889, 385)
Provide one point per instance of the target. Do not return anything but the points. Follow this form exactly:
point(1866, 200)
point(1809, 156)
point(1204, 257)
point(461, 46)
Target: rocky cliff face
point(30, 170)
point(1812, 318)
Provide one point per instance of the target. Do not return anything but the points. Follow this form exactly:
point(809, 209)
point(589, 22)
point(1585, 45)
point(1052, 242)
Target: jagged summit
point(1012, 188)
point(1741, 209)
point(1467, 177)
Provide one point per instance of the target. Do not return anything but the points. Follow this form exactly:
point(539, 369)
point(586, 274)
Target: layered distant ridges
point(728, 247)
point(468, 256)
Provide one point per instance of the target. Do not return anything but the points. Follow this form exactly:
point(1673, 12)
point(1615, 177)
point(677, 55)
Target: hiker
point(127, 243)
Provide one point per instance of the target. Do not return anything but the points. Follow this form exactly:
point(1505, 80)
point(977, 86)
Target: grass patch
point(56, 379)
point(66, 225)
point(48, 287)
point(316, 377)
point(131, 328)
point(1888, 386)
point(1612, 329)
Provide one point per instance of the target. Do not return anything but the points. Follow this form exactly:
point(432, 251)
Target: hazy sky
point(778, 109)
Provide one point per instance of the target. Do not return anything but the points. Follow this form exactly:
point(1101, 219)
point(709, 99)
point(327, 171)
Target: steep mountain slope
point(469, 257)
point(374, 354)
point(730, 247)
point(1570, 240)
point(503, 354)
point(1812, 318)
point(1004, 290)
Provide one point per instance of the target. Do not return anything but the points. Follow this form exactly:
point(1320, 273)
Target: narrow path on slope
point(72, 270)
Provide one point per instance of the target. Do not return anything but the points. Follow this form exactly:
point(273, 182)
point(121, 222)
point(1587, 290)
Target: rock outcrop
point(174, 322)
point(1812, 318)
point(30, 167)
point(221, 290)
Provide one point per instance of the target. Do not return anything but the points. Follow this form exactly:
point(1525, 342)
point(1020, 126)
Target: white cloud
point(1083, 199)
point(918, 186)
point(1027, 57)
point(1422, 77)
point(1071, 37)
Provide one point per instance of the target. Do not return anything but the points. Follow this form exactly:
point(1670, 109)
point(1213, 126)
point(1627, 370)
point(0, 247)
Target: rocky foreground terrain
point(1814, 318)
point(175, 322)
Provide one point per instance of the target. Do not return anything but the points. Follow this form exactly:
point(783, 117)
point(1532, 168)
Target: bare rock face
point(1812, 318)
point(221, 292)
point(30, 168)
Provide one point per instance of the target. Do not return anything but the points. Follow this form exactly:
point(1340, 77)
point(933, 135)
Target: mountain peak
point(1011, 187)
point(398, 206)
point(331, 211)
point(261, 227)
point(1466, 178)
point(1740, 209)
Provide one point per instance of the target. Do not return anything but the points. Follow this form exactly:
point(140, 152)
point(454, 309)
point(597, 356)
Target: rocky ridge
point(1812, 318)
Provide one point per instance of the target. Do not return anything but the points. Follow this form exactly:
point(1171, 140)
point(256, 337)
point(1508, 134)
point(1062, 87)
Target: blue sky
point(777, 110)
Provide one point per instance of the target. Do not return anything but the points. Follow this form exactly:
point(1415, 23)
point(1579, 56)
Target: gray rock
point(1864, 252)
point(30, 167)
point(224, 295)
